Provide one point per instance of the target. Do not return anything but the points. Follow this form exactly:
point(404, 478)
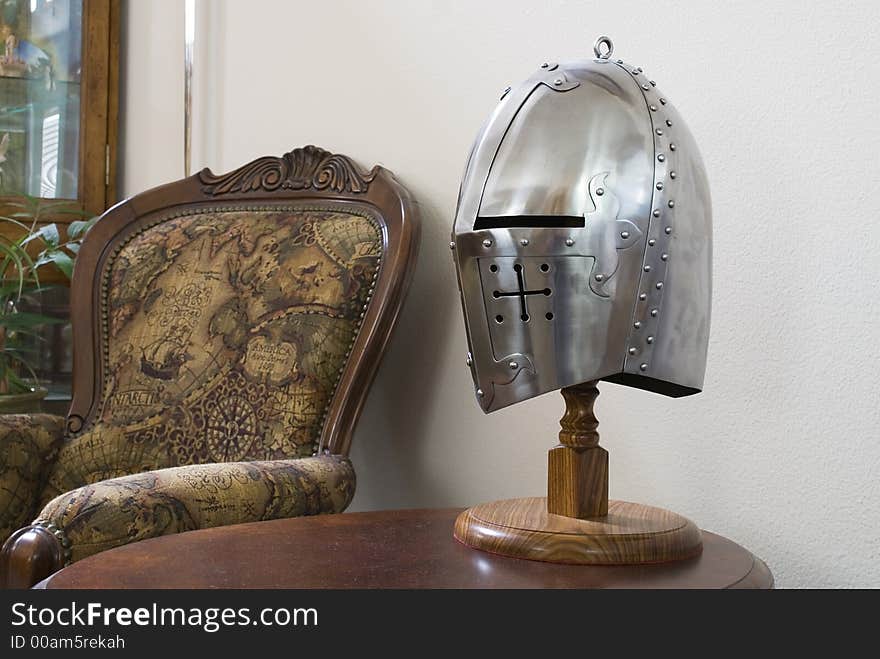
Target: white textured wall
point(782, 450)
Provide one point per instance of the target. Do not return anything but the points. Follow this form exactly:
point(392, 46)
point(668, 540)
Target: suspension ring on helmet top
point(609, 47)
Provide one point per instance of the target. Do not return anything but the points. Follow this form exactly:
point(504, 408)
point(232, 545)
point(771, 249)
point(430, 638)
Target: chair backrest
point(239, 316)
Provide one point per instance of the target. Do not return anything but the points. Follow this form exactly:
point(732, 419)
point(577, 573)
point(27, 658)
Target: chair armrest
point(117, 511)
point(28, 446)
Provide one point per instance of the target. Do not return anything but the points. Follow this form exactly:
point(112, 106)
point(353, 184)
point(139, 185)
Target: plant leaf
point(17, 382)
point(48, 233)
point(11, 287)
point(21, 332)
point(12, 255)
point(77, 229)
point(25, 320)
point(59, 258)
point(10, 219)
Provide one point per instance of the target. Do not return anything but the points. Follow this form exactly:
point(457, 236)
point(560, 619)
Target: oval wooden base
point(631, 533)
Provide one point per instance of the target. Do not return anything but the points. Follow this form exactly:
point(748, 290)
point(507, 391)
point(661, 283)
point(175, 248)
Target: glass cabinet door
point(40, 79)
point(58, 112)
point(58, 100)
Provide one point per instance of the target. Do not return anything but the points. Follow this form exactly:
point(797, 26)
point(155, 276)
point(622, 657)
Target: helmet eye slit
point(530, 222)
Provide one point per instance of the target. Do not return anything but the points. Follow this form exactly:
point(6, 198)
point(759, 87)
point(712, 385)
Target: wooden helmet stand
point(576, 523)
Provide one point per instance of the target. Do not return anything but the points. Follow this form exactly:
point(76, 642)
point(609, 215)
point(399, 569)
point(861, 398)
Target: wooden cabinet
point(59, 79)
point(59, 71)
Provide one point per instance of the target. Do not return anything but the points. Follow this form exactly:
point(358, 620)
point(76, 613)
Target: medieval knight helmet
point(583, 237)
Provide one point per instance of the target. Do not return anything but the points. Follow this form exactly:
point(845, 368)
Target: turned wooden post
point(28, 556)
point(577, 478)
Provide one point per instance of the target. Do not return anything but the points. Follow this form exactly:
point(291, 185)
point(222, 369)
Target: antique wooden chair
point(226, 331)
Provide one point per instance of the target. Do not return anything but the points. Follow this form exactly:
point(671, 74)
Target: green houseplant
point(29, 247)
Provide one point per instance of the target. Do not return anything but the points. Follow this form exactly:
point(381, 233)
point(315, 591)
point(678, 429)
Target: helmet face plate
point(561, 240)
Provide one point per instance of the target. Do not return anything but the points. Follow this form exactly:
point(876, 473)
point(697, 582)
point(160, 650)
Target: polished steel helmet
point(583, 237)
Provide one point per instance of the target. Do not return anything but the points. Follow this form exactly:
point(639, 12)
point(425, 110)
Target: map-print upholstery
point(225, 336)
point(28, 443)
point(114, 512)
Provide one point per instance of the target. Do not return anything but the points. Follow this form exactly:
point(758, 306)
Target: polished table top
point(383, 549)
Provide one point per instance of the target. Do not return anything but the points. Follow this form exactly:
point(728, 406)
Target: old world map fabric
point(117, 511)
point(225, 336)
point(28, 444)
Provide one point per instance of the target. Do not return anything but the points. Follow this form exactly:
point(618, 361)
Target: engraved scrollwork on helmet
point(505, 370)
point(609, 233)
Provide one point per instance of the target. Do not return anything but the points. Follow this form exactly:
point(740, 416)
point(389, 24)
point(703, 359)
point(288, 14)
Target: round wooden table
point(385, 549)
